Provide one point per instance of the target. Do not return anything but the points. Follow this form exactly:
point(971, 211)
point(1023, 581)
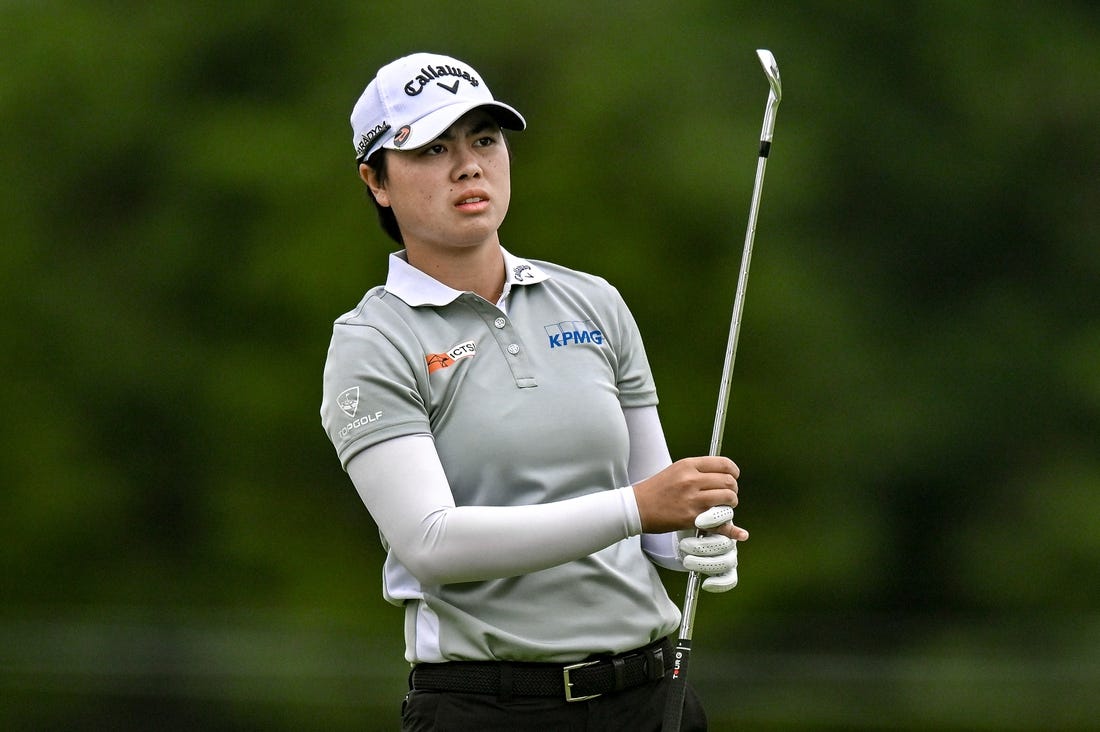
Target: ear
point(377, 189)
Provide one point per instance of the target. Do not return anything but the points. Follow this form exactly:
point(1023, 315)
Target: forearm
point(405, 489)
point(648, 455)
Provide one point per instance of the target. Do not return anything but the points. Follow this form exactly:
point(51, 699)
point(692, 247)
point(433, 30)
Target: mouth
point(473, 202)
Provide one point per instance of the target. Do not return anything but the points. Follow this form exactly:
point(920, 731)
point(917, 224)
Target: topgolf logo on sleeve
point(348, 401)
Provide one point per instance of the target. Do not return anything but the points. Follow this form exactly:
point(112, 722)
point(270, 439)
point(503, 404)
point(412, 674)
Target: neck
point(477, 269)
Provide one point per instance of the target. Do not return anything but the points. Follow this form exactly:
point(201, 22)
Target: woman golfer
point(498, 417)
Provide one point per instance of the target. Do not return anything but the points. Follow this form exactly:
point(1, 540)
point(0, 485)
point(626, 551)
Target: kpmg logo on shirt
point(573, 333)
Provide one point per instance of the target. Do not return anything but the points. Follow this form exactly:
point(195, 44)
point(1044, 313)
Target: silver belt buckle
point(569, 684)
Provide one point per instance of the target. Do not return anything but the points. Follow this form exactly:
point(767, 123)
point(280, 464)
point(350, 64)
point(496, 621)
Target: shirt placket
point(507, 338)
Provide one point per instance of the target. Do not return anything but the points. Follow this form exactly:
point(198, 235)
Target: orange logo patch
point(437, 361)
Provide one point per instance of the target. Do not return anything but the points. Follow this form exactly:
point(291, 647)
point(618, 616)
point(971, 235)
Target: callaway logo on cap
point(414, 99)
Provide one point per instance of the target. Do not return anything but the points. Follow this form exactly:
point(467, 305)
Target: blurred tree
point(915, 406)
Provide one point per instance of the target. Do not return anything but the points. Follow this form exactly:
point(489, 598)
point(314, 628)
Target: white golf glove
point(714, 555)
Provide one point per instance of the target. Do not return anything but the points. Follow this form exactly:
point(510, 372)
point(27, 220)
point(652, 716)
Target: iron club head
point(771, 68)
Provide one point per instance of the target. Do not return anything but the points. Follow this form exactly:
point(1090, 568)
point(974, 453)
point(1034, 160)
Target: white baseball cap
point(413, 100)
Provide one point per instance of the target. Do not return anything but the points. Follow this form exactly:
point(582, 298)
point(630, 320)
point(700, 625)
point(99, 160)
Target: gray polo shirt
point(525, 407)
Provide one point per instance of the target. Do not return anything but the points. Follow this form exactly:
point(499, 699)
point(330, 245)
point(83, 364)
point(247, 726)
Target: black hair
point(386, 218)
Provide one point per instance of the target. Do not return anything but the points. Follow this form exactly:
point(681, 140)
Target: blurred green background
point(916, 405)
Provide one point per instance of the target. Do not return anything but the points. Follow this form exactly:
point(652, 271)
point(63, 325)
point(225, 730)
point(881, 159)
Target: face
point(451, 193)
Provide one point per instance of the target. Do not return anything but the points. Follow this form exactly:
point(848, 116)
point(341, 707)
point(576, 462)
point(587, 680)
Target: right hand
point(672, 499)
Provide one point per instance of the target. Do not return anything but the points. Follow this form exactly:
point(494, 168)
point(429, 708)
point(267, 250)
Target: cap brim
point(434, 124)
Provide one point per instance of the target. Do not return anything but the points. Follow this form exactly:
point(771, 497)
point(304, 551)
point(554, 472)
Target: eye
point(485, 141)
point(435, 149)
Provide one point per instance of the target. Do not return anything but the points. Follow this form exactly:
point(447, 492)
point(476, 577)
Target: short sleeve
point(634, 378)
point(372, 391)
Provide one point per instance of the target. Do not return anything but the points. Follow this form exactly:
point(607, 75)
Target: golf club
point(675, 704)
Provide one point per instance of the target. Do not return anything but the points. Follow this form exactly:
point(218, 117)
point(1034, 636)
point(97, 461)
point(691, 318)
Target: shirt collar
point(416, 288)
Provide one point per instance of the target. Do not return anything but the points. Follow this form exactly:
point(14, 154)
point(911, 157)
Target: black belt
point(573, 682)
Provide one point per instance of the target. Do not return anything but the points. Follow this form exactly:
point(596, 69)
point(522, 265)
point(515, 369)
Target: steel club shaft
point(675, 702)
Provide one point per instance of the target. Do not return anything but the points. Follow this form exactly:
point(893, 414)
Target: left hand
point(714, 554)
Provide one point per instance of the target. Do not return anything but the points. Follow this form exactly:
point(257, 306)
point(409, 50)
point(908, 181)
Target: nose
point(468, 167)
point(469, 171)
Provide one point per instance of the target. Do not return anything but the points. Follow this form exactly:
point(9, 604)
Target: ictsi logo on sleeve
point(437, 361)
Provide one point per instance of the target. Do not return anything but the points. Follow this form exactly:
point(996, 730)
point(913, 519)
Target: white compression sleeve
point(648, 455)
point(648, 450)
point(403, 485)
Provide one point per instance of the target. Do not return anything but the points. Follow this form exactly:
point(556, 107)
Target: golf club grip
point(677, 688)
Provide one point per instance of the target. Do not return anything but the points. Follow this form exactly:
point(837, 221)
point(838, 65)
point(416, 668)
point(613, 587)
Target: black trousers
point(640, 709)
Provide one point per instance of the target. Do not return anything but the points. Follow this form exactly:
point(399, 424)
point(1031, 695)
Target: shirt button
point(500, 322)
point(513, 349)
